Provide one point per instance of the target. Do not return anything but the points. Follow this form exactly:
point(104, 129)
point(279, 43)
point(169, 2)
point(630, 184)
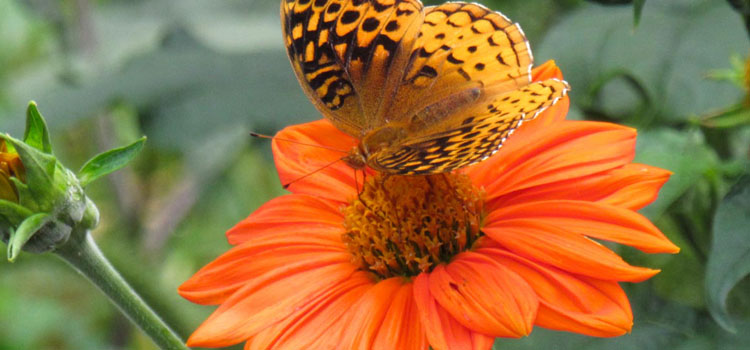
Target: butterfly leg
point(359, 193)
point(465, 211)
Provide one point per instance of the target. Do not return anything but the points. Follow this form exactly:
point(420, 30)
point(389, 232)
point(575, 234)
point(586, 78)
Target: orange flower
point(446, 261)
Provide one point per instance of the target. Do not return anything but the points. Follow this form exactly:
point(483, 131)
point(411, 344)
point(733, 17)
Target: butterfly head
point(356, 158)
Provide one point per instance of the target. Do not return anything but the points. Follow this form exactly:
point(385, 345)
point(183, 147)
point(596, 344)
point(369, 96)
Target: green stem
point(84, 255)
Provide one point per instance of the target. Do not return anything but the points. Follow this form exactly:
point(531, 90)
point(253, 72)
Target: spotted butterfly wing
point(426, 90)
point(348, 54)
point(483, 129)
point(460, 48)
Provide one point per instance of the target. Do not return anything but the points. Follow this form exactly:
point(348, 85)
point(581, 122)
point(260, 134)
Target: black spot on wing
point(370, 24)
point(392, 26)
point(349, 17)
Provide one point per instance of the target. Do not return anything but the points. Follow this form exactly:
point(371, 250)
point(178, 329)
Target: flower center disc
point(405, 225)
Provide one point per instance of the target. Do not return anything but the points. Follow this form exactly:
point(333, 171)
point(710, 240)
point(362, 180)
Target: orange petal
point(547, 70)
point(386, 318)
point(572, 149)
point(442, 330)
point(484, 296)
point(565, 250)
point(481, 341)
point(401, 327)
point(371, 311)
point(320, 323)
point(571, 302)
point(590, 219)
point(313, 170)
point(550, 116)
point(269, 299)
point(291, 253)
point(631, 186)
point(286, 213)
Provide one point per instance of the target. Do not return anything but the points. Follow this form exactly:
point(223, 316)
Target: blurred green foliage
point(195, 76)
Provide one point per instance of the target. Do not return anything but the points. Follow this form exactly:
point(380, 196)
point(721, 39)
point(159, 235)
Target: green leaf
point(109, 161)
point(637, 10)
point(668, 55)
point(729, 259)
point(25, 231)
point(36, 134)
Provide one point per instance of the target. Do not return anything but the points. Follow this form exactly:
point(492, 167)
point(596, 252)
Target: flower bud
point(42, 203)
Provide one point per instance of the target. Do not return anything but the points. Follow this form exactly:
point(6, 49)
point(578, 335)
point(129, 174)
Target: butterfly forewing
point(346, 54)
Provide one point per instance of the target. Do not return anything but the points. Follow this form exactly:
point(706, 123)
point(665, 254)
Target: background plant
point(196, 76)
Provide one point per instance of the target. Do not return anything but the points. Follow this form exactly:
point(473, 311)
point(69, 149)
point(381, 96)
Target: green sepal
point(24, 232)
point(25, 197)
point(13, 213)
point(109, 161)
point(36, 134)
point(637, 11)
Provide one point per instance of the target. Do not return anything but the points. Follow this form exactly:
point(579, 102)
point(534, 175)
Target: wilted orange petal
point(484, 296)
point(590, 219)
point(546, 155)
point(565, 250)
point(631, 186)
point(265, 300)
point(571, 302)
point(442, 330)
point(293, 161)
point(285, 213)
point(215, 282)
point(320, 323)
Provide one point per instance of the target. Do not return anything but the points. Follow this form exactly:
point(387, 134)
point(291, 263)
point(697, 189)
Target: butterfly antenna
point(311, 173)
point(262, 136)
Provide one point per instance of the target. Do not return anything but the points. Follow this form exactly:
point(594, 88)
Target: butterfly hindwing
point(462, 46)
point(481, 132)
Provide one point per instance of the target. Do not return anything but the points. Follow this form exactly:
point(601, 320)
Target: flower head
point(447, 261)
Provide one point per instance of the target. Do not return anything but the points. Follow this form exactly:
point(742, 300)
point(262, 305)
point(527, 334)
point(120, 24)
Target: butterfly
point(425, 90)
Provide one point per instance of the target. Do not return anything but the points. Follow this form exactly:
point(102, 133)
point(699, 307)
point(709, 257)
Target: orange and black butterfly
point(425, 90)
